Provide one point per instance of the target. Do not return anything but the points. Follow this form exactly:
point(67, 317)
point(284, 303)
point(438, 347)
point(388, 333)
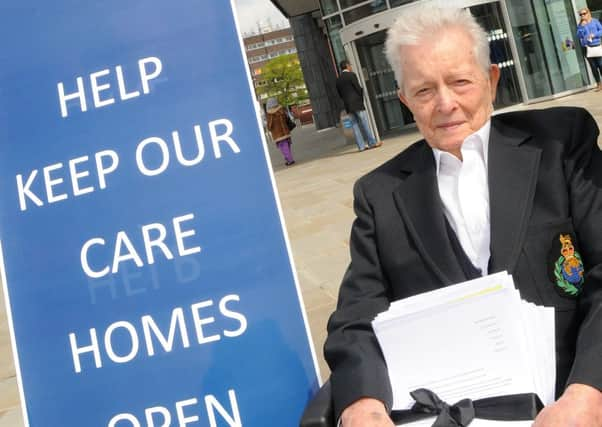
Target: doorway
point(552, 60)
point(390, 114)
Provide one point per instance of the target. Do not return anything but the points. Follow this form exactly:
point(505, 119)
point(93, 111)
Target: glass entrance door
point(551, 58)
point(489, 15)
point(389, 113)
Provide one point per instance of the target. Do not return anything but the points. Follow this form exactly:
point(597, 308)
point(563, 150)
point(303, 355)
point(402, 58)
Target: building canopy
point(291, 8)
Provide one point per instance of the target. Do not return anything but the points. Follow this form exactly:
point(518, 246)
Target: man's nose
point(446, 99)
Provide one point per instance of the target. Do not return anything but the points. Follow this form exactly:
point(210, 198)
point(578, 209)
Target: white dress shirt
point(464, 191)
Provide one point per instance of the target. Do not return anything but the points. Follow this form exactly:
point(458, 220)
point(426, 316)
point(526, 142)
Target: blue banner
point(146, 268)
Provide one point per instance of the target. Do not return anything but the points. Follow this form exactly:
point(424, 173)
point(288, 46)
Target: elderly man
point(478, 195)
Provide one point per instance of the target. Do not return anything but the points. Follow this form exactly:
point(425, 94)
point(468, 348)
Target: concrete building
point(532, 41)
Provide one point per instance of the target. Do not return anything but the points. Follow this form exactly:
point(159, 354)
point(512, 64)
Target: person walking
point(589, 33)
point(352, 94)
point(277, 124)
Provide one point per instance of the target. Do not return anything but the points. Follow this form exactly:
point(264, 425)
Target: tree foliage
point(282, 78)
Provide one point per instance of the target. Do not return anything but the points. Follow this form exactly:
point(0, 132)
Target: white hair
point(426, 19)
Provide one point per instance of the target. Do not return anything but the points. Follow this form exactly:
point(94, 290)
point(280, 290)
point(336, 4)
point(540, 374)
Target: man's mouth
point(450, 125)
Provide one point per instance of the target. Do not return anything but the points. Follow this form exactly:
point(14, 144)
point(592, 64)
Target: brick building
point(260, 48)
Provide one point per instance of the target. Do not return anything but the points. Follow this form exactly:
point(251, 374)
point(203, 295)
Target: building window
point(329, 6)
point(594, 5)
point(334, 26)
point(256, 59)
point(541, 30)
point(349, 3)
point(395, 3)
point(254, 46)
point(363, 11)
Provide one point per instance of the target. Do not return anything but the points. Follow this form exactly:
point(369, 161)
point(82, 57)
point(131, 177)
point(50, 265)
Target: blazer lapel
point(417, 199)
point(513, 171)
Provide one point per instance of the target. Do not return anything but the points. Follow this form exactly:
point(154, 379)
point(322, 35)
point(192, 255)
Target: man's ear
point(402, 98)
point(494, 78)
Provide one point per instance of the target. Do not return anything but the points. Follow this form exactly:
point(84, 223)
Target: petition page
point(467, 349)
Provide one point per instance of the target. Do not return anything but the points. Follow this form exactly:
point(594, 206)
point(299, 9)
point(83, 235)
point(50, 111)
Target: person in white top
point(519, 191)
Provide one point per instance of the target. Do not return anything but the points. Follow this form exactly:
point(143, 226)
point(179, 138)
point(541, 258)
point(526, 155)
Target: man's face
point(446, 89)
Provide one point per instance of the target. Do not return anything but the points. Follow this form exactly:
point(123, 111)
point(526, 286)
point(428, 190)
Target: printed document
point(472, 340)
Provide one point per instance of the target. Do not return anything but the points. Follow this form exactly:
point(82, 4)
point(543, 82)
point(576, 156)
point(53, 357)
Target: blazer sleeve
point(357, 365)
point(338, 87)
point(583, 169)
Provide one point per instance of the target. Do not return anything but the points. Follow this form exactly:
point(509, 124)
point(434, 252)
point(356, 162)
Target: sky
point(250, 12)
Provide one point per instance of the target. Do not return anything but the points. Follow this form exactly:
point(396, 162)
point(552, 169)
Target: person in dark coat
point(519, 192)
point(352, 94)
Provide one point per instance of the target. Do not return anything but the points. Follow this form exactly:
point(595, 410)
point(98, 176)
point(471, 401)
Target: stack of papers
point(472, 340)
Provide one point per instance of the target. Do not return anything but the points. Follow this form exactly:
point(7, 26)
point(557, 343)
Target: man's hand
point(579, 406)
point(366, 412)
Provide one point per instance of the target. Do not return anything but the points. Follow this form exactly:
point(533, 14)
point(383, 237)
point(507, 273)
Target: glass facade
point(389, 113)
point(551, 58)
point(395, 3)
point(350, 3)
point(333, 26)
point(329, 6)
point(595, 6)
point(489, 16)
point(532, 42)
point(360, 12)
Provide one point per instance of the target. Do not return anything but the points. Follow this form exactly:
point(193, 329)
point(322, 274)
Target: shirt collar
point(478, 141)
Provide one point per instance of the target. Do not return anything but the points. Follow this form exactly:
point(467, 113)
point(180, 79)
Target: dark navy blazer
point(545, 179)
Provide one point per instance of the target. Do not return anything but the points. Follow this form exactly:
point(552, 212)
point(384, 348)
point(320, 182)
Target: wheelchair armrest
point(319, 412)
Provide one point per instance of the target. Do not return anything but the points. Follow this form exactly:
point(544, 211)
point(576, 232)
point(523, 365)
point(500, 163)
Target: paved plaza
point(316, 199)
